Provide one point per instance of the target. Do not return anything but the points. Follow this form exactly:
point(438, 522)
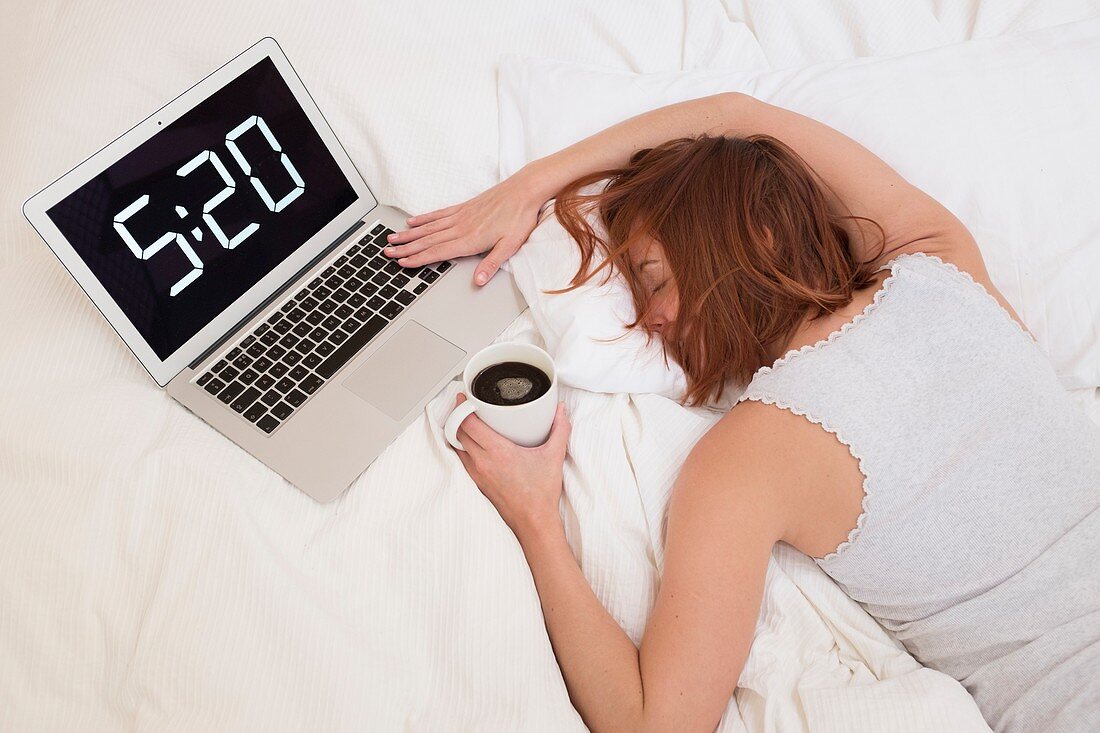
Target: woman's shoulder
point(955, 253)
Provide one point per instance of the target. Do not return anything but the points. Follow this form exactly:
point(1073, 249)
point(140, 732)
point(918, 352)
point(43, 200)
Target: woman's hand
point(500, 218)
point(524, 484)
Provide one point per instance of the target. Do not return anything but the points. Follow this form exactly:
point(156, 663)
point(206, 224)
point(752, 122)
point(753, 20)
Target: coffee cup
point(526, 423)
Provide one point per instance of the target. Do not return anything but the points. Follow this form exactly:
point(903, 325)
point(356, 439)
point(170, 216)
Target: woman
point(899, 425)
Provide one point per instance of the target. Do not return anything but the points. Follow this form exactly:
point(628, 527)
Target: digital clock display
point(185, 224)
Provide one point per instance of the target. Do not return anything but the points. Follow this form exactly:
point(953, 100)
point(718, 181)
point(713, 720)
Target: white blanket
point(155, 577)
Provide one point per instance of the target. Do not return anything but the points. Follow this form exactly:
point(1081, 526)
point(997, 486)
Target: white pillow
point(1002, 131)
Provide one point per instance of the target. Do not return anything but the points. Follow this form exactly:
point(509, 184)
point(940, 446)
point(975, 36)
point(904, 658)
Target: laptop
point(233, 246)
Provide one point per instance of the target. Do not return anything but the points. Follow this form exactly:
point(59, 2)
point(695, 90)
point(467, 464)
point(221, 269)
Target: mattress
point(155, 576)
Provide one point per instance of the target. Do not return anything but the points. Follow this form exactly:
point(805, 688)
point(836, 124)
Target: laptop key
point(242, 361)
point(214, 386)
point(230, 393)
point(350, 347)
point(325, 348)
point(380, 278)
point(302, 329)
point(292, 358)
point(334, 281)
point(298, 373)
point(356, 300)
point(244, 400)
point(378, 228)
point(267, 423)
point(368, 288)
point(420, 288)
point(275, 352)
point(310, 384)
point(269, 337)
point(312, 360)
point(340, 260)
point(328, 271)
point(363, 313)
point(204, 379)
point(350, 325)
point(359, 260)
point(321, 293)
point(340, 294)
point(338, 337)
point(392, 310)
point(278, 370)
point(330, 323)
point(282, 326)
point(233, 354)
point(387, 291)
point(262, 329)
point(399, 280)
point(264, 382)
point(392, 267)
point(282, 410)
point(248, 341)
point(346, 271)
point(315, 283)
point(255, 349)
point(318, 334)
point(344, 311)
point(285, 385)
point(429, 276)
point(304, 346)
point(354, 283)
point(308, 304)
point(295, 397)
point(219, 366)
point(288, 340)
point(287, 306)
point(254, 413)
point(376, 302)
point(271, 398)
point(315, 317)
point(296, 315)
point(443, 266)
point(404, 297)
point(248, 376)
point(228, 374)
point(327, 307)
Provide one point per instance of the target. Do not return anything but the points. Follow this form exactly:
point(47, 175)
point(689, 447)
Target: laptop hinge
point(275, 295)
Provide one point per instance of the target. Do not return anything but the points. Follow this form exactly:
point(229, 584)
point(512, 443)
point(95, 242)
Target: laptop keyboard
point(273, 370)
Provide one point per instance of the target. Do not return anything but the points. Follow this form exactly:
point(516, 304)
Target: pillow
point(1001, 131)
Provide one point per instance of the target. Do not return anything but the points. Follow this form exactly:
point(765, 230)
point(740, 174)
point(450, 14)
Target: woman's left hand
point(524, 484)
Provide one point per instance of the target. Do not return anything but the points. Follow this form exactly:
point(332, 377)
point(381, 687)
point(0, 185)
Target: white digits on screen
point(299, 184)
point(152, 249)
point(208, 207)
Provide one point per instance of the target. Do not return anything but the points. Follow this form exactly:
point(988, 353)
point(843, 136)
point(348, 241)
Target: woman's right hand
point(498, 219)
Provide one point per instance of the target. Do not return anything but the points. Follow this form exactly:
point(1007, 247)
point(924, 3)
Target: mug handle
point(450, 426)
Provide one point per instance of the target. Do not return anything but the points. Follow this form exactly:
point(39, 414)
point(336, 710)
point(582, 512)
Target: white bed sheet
point(153, 576)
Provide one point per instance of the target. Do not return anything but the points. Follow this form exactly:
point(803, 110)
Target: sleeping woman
point(899, 423)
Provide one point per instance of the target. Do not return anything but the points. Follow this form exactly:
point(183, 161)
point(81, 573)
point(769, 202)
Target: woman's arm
point(721, 528)
point(862, 181)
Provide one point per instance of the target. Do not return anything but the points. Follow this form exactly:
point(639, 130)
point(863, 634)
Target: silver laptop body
point(233, 246)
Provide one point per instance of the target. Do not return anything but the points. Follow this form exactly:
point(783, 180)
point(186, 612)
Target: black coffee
point(510, 383)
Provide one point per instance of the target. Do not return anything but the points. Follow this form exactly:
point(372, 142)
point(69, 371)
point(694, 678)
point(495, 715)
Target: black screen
point(182, 226)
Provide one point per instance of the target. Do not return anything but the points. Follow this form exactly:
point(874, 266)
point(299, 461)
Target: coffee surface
point(510, 383)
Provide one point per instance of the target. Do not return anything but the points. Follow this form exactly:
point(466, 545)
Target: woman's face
point(647, 258)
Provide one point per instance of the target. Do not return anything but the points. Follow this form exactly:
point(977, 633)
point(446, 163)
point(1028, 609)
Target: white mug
point(527, 424)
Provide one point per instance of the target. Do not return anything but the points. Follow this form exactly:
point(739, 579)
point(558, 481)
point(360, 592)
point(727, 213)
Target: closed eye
point(658, 288)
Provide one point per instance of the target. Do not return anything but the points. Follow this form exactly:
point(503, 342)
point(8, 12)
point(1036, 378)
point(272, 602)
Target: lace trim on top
point(793, 354)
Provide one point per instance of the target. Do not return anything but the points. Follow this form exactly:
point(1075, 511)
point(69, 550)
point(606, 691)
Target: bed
point(153, 576)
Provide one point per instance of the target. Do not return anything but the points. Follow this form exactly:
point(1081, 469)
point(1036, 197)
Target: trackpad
point(401, 372)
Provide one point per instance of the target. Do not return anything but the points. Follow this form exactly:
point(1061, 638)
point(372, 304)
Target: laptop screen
point(182, 226)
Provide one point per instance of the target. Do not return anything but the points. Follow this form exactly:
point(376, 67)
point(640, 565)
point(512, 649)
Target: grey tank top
point(979, 542)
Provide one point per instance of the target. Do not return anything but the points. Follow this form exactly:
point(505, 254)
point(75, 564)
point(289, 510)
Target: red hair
point(747, 233)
